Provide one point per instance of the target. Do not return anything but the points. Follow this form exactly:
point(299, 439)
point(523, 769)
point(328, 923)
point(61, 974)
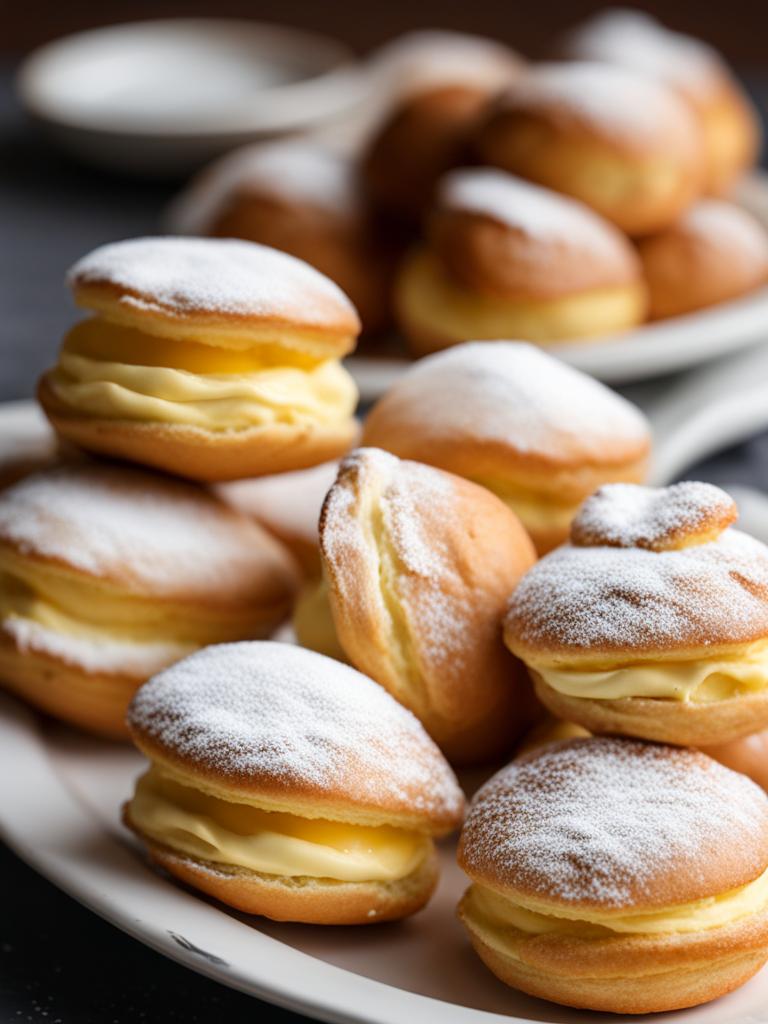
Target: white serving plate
point(162, 97)
point(60, 795)
point(652, 350)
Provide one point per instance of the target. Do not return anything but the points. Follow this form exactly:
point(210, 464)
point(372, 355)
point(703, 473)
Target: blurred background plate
point(162, 97)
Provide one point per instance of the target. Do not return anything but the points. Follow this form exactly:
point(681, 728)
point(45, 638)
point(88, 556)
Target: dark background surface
point(59, 963)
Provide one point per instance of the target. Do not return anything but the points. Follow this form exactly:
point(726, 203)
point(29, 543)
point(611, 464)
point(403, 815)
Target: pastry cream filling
point(699, 681)
point(439, 305)
point(119, 372)
point(88, 610)
point(270, 842)
point(498, 914)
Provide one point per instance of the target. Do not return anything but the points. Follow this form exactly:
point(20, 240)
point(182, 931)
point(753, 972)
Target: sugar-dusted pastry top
point(430, 59)
point(613, 823)
point(654, 518)
point(143, 532)
point(278, 724)
point(220, 278)
point(613, 103)
point(498, 401)
point(505, 236)
point(648, 572)
point(291, 172)
point(634, 39)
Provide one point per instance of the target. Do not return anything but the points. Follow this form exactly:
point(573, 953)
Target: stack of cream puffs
point(213, 359)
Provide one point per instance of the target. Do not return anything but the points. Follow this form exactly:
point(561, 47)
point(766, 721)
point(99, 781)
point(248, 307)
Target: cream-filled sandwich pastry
point(507, 259)
point(287, 784)
point(417, 568)
point(109, 574)
point(653, 620)
point(611, 874)
point(539, 434)
point(214, 359)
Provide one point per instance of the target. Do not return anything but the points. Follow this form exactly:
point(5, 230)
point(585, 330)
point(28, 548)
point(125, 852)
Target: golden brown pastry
point(653, 621)
point(286, 784)
point(610, 874)
point(214, 359)
point(540, 435)
point(303, 199)
point(621, 142)
point(729, 123)
point(507, 259)
point(108, 574)
point(716, 251)
point(418, 565)
point(441, 85)
point(288, 506)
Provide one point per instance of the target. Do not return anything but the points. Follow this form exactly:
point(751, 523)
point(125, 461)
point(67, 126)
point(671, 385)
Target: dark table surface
point(59, 963)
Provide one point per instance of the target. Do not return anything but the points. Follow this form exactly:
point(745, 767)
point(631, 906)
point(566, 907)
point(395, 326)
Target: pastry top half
point(635, 40)
point(716, 251)
point(601, 103)
point(648, 573)
point(292, 173)
point(221, 292)
point(285, 729)
point(428, 59)
point(418, 564)
point(609, 825)
point(508, 415)
point(144, 534)
point(502, 236)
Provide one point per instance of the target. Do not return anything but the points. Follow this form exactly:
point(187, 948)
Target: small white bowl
point(161, 97)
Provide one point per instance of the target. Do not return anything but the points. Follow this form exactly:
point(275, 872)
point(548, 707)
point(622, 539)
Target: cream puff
point(540, 435)
point(748, 755)
point(288, 506)
point(417, 567)
point(716, 251)
point(609, 874)
point(621, 142)
point(214, 359)
point(303, 199)
point(109, 574)
point(729, 122)
point(440, 98)
point(507, 259)
point(288, 785)
point(652, 621)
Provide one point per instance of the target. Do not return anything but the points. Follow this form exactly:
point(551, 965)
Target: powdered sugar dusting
point(514, 394)
point(627, 515)
point(536, 212)
point(176, 276)
point(634, 39)
point(578, 599)
point(294, 717)
point(93, 653)
point(425, 578)
point(149, 532)
point(294, 172)
point(611, 99)
point(728, 227)
point(432, 58)
point(607, 821)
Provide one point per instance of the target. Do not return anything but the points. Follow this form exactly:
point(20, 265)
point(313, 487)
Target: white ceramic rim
point(38, 812)
point(330, 93)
